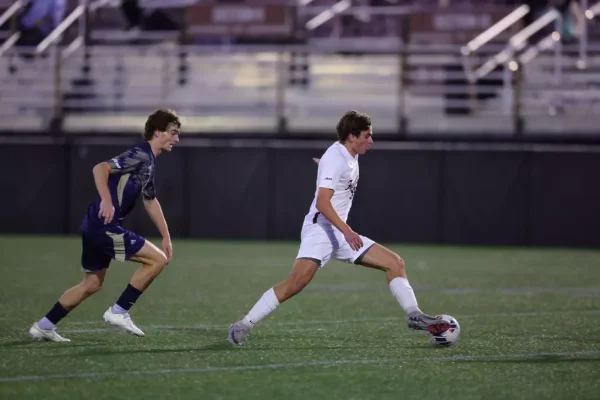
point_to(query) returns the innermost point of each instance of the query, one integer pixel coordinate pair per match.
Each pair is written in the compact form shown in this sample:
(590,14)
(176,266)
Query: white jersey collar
(345,152)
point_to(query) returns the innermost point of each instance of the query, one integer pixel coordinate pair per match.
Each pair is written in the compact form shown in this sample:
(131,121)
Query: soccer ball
(449,337)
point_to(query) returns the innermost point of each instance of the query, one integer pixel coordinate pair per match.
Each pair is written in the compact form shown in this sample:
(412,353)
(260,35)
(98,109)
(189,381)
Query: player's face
(168,138)
(362,143)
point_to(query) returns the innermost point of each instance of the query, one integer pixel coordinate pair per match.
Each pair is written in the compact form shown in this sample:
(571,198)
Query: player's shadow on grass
(112,352)
(207,348)
(33,343)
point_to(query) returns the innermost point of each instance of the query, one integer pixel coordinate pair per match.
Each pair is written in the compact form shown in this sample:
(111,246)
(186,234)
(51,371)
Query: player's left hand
(168,249)
(353,240)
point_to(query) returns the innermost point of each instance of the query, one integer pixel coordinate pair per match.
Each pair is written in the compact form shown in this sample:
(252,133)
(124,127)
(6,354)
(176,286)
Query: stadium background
(507,158)
(485,139)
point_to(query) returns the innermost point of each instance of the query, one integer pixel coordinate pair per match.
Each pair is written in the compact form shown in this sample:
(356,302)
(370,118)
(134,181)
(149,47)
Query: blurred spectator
(39,18)
(572,18)
(43,15)
(570,10)
(132,12)
(139,17)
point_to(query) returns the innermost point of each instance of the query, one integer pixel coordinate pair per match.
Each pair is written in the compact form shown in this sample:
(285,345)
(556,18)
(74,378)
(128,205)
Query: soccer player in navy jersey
(120,181)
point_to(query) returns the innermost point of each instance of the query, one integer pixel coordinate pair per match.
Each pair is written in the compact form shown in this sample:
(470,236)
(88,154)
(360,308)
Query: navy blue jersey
(132,173)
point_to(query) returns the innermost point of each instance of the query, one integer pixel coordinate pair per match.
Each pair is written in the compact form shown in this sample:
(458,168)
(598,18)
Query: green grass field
(529,320)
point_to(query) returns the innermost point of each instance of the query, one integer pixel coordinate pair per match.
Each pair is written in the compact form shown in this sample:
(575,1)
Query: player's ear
(316,160)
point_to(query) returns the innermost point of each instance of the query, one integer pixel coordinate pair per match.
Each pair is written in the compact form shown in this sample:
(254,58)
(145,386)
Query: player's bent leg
(45,329)
(382,258)
(153,261)
(302,273)
(91,283)
(386,260)
(316,248)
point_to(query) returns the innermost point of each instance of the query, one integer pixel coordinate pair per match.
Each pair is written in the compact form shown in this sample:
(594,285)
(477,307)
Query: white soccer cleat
(122,321)
(49,335)
(238,333)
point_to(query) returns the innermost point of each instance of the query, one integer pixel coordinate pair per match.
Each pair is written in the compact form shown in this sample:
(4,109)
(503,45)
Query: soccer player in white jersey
(325,235)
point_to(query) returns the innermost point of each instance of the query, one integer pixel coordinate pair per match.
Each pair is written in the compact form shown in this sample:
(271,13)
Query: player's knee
(159,260)
(91,286)
(397,265)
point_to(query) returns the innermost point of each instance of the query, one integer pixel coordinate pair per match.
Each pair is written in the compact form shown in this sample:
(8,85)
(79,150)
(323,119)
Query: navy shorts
(102,246)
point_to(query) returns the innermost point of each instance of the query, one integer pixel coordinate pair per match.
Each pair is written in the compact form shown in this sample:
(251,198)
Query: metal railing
(77,15)
(469,50)
(512,59)
(53,42)
(56,35)
(328,14)
(54,39)
(10,15)
(593,11)
(313,17)
(515,54)
(247,88)
(407,88)
(515,44)
(590,13)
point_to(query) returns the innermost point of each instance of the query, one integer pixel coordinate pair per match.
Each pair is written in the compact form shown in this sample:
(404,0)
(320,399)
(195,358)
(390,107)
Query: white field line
(331,363)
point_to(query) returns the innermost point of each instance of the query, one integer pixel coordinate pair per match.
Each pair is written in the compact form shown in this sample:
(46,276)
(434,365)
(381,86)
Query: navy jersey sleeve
(130,161)
(148,191)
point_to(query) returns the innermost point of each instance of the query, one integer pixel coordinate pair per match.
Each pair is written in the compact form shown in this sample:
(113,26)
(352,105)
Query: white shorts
(321,242)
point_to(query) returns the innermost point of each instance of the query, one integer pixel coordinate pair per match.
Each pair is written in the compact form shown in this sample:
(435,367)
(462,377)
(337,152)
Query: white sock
(405,295)
(263,307)
(117,309)
(45,323)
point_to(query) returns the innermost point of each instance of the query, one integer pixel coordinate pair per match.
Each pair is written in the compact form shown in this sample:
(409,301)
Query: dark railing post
(57,114)
(14,28)
(403,73)
(182,41)
(517,110)
(280,90)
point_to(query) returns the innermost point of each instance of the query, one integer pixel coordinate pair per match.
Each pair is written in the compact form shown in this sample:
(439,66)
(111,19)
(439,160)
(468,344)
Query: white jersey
(338,170)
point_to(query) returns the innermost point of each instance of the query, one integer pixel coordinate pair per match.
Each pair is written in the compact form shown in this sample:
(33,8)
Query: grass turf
(528,319)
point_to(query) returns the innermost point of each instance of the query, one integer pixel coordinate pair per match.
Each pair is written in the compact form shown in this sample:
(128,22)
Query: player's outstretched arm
(101,172)
(325,207)
(155,212)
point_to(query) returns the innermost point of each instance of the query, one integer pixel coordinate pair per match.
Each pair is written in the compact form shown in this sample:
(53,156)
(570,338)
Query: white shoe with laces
(48,335)
(122,321)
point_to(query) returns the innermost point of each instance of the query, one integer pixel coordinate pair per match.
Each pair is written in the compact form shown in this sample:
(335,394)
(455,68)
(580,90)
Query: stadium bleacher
(399,60)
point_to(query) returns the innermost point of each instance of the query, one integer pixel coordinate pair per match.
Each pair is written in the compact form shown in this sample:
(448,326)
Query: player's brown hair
(352,123)
(160,120)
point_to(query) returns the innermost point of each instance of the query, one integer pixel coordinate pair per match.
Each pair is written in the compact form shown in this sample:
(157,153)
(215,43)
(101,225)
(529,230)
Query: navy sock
(57,313)
(128,297)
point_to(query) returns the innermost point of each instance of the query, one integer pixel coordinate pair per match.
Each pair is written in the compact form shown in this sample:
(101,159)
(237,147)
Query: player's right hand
(353,240)
(107,211)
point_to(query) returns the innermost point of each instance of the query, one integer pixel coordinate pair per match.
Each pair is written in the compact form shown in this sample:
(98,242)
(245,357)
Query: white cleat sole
(114,320)
(42,335)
